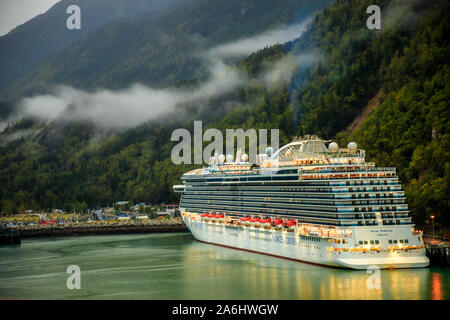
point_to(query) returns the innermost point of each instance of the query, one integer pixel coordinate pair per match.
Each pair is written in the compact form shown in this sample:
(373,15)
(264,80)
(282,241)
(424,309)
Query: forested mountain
(386,89)
(28,44)
(160,48)
(401,72)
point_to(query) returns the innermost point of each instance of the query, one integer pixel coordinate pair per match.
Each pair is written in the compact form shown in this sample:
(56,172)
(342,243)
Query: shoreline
(98,229)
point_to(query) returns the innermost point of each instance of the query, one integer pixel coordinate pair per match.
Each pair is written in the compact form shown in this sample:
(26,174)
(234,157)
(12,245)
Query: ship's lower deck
(289,243)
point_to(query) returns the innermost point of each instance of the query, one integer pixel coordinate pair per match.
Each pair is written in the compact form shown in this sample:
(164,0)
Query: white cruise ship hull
(315,250)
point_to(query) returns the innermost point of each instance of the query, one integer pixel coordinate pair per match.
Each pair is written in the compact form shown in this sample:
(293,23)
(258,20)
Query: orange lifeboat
(289,223)
(277,222)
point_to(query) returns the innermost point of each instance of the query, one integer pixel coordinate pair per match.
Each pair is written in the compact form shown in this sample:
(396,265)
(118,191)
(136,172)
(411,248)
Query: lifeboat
(220,216)
(204,215)
(289,223)
(245,219)
(277,222)
(211,215)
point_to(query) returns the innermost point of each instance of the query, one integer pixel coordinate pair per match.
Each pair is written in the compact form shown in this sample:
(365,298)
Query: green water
(175,266)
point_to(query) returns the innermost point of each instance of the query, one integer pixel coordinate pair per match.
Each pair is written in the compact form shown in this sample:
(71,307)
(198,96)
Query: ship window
(401,240)
(365,242)
(390,241)
(395,241)
(360,242)
(372,242)
(406,240)
(377,242)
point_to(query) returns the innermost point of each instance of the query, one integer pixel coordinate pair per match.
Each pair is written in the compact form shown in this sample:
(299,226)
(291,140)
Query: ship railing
(389,169)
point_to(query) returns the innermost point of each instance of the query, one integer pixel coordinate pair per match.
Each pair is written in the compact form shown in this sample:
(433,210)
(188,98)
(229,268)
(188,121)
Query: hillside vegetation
(404,65)
(159,48)
(28,44)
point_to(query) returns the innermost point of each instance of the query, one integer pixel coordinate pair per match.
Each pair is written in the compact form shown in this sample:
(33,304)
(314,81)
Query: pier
(438,252)
(9,236)
(439,256)
(13,234)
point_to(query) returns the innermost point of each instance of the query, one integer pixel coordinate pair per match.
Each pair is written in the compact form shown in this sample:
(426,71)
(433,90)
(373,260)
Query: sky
(17,12)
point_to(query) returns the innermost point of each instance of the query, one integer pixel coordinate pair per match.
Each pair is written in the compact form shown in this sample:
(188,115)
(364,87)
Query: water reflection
(174,266)
(232,274)
(436,286)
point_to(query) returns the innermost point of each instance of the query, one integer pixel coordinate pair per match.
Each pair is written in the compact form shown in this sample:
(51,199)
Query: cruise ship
(309,201)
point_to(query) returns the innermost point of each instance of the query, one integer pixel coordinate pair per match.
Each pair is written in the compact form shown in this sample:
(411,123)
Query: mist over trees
(405,65)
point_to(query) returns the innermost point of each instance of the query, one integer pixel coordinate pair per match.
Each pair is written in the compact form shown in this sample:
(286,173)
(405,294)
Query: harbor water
(175,266)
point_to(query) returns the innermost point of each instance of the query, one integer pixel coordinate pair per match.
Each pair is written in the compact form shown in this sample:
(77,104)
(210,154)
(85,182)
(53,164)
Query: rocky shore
(97,228)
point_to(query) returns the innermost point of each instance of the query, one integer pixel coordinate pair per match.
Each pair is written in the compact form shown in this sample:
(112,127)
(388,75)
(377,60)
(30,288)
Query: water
(175,266)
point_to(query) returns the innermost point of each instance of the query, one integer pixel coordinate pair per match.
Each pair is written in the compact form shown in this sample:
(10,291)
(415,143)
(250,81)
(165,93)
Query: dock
(438,252)
(9,236)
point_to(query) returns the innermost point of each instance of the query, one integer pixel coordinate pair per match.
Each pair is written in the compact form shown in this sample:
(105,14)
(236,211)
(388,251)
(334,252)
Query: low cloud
(283,69)
(138,103)
(247,46)
(18,134)
(128,107)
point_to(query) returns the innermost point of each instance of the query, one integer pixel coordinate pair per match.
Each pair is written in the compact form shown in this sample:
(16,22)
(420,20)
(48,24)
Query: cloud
(18,134)
(134,105)
(283,69)
(128,107)
(247,46)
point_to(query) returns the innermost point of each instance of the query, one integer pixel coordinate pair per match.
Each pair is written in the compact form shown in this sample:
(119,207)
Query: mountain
(158,49)
(30,43)
(389,91)
(386,89)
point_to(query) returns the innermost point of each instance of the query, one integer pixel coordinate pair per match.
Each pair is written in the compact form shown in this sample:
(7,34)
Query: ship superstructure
(310,201)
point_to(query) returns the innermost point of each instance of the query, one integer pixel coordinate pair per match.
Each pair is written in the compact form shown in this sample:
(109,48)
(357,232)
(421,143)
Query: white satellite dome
(244,157)
(229,158)
(352,146)
(269,151)
(221,158)
(333,147)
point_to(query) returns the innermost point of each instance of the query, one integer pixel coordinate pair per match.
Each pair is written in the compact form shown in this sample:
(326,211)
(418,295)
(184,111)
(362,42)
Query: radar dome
(269,151)
(352,146)
(244,157)
(333,147)
(229,158)
(221,158)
